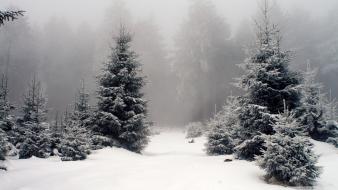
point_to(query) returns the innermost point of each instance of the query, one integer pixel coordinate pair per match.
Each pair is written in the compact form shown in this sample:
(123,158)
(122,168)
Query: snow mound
(168,163)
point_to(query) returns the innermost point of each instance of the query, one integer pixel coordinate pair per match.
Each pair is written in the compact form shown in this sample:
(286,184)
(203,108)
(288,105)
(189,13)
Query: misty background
(189,48)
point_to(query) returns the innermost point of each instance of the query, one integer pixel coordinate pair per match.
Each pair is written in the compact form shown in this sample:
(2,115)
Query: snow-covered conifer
(312,109)
(288,157)
(76,139)
(122,112)
(219,138)
(33,126)
(81,105)
(219,141)
(267,78)
(9,16)
(194,129)
(3,151)
(250,148)
(268,84)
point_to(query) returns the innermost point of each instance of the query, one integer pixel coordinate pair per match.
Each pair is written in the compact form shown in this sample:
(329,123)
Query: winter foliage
(269,87)
(122,113)
(271,122)
(32,126)
(222,128)
(195,129)
(9,16)
(312,109)
(219,141)
(288,157)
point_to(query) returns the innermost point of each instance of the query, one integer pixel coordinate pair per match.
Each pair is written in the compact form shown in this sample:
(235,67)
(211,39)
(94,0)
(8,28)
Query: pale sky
(167,13)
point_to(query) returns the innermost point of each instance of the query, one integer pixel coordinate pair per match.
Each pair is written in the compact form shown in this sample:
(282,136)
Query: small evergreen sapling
(288,157)
(219,138)
(194,130)
(219,142)
(75,142)
(33,126)
(312,110)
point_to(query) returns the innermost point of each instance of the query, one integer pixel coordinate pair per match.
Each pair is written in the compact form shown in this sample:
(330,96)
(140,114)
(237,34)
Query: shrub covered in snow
(3,150)
(194,129)
(288,157)
(219,141)
(73,149)
(250,148)
(333,141)
(36,142)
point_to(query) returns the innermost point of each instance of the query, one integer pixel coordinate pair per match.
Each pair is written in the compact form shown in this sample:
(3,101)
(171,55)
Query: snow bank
(168,163)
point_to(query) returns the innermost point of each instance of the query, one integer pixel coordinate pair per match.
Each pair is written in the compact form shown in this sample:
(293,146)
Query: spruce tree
(220,137)
(267,82)
(33,124)
(312,109)
(81,105)
(7,124)
(267,79)
(76,140)
(6,120)
(288,156)
(9,16)
(122,112)
(219,141)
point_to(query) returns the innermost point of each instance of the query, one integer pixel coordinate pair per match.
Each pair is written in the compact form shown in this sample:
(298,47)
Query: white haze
(167,13)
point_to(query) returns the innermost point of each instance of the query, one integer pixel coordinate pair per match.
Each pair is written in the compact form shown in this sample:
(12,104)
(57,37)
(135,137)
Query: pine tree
(9,16)
(75,142)
(33,123)
(219,141)
(312,109)
(267,79)
(220,137)
(6,120)
(268,83)
(288,156)
(3,150)
(81,105)
(55,135)
(121,114)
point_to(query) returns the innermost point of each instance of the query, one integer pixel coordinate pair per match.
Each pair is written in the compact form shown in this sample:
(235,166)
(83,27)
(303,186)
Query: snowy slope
(169,163)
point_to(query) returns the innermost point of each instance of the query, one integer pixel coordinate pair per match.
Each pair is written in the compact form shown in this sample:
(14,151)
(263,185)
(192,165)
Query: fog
(65,41)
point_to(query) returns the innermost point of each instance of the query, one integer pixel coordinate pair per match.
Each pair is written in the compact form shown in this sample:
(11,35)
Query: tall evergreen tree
(6,122)
(267,79)
(122,113)
(268,84)
(33,124)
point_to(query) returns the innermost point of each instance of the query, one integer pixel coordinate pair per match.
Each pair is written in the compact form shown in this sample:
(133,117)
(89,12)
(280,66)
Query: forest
(141,98)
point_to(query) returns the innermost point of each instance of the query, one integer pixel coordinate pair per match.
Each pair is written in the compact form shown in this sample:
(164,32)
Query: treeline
(196,69)
(119,119)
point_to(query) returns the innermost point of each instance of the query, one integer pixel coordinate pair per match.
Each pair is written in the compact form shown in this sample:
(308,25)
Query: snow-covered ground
(169,162)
